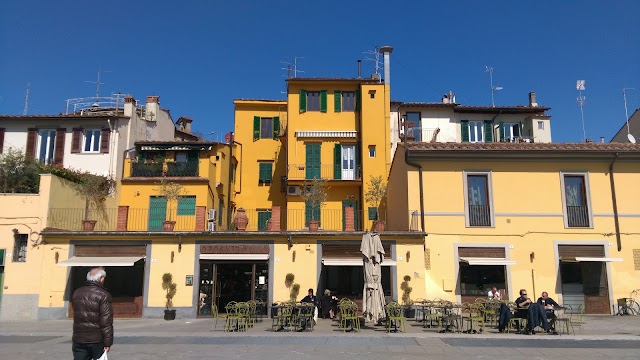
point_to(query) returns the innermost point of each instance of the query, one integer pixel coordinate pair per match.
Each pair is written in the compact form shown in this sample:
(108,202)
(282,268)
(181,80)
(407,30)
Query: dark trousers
(87,351)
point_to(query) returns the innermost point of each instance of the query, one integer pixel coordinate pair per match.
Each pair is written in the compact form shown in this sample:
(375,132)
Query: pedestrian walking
(92,318)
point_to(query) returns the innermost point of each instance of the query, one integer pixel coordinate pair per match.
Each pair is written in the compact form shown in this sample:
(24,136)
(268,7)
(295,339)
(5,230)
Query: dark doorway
(584,284)
(348,281)
(477,280)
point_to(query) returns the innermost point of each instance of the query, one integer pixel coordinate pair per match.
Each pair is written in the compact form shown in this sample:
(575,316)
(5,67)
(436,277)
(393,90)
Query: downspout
(230,180)
(493,123)
(615,202)
(419,167)
(124,153)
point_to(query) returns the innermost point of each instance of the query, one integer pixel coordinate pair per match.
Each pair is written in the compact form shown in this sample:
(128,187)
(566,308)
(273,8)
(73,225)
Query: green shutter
(337,100)
(313,161)
(263,217)
(311,213)
(337,162)
(303,100)
(140,156)
(501,125)
(358,100)
(464,130)
(265,172)
(276,127)
(187,205)
(323,100)
(488,131)
(373,213)
(157,212)
(256,128)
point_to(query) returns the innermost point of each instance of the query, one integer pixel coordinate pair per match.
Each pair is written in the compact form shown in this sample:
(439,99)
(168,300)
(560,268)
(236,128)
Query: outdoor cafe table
(291,321)
(447,316)
(550,321)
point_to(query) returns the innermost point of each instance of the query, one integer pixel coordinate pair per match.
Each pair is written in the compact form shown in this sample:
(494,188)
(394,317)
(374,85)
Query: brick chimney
(153,108)
(532,99)
(129,105)
(184,124)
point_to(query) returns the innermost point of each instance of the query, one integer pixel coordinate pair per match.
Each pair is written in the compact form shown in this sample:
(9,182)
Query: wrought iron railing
(578,216)
(142,169)
(188,168)
(327,172)
(479,215)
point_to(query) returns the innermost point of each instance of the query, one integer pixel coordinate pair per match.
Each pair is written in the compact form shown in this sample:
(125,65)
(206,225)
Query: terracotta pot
(314,225)
(241,220)
(168,225)
(88,225)
(378,225)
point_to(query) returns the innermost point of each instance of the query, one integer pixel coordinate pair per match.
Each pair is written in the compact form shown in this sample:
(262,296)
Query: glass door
(205,298)
(348,162)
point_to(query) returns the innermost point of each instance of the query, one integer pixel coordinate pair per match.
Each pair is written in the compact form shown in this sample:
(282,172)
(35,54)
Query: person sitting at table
(548,304)
(494,294)
(531,311)
(310,299)
(326,305)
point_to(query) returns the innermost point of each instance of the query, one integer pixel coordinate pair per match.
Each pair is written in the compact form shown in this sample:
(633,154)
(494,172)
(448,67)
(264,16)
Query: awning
(589,259)
(487,261)
(234,256)
(100,261)
(352,262)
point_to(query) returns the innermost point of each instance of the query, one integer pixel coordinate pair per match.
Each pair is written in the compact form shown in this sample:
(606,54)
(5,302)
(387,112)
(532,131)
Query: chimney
(359,65)
(602,139)
(184,124)
(386,51)
(532,99)
(129,106)
(153,107)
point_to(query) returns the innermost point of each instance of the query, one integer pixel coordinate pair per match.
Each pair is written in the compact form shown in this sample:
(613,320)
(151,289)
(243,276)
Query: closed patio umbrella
(373,295)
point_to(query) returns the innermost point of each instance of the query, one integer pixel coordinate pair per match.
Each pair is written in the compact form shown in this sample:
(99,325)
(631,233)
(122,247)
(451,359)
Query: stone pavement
(616,337)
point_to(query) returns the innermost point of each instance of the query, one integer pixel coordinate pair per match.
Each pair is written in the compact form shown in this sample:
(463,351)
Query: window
(511,130)
(311,212)
(91,141)
(266,128)
(348,101)
(576,202)
(540,125)
(313,100)
(46,146)
(477,280)
(187,205)
(312,161)
(20,247)
(478,199)
(372,151)
(265,172)
(181,157)
(263,217)
(475,131)
(345,167)
(413,126)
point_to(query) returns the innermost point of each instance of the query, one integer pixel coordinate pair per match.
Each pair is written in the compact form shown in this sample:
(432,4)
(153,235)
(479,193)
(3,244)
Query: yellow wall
(183,264)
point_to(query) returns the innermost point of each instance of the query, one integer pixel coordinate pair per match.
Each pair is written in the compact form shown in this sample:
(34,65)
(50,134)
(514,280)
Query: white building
(91,136)
(447,121)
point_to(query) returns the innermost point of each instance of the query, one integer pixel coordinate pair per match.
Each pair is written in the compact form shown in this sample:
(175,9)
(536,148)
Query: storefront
(583,277)
(480,269)
(232,273)
(125,267)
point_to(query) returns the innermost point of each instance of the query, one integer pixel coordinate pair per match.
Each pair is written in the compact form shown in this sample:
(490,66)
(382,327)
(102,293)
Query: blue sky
(200,55)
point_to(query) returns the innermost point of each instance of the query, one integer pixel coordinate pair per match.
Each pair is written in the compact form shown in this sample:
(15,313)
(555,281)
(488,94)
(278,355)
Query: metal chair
(476,316)
(563,319)
(283,317)
(521,323)
(395,316)
(304,318)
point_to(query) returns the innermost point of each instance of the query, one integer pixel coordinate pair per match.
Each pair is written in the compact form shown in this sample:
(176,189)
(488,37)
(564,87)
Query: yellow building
(561,218)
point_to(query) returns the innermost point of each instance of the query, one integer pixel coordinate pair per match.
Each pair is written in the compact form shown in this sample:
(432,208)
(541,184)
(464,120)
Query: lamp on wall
(408,255)
(293,256)
(172,256)
(179,243)
(290,241)
(532,256)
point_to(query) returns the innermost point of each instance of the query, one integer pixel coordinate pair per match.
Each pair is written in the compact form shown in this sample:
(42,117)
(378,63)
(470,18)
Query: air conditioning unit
(212,214)
(294,190)
(211,226)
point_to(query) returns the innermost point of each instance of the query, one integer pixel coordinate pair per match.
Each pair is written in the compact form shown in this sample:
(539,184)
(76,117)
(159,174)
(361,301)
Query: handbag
(103,356)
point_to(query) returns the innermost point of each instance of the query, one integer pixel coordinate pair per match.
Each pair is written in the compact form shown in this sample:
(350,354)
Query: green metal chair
(350,315)
(283,316)
(395,316)
(231,320)
(304,318)
(520,323)
(476,316)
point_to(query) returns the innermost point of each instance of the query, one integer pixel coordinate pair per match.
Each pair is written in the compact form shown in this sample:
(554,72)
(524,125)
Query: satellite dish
(631,138)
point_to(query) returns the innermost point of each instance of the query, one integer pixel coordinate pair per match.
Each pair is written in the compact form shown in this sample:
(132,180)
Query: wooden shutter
(256,128)
(488,131)
(276,127)
(358,100)
(76,140)
(572,251)
(32,140)
(337,100)
(337,162)
(482,252)
(263,217)
(373,213)
(1,139)
(303,100)
(464,130)
(58,151)
(313,161)
(501,125)
(105,136)
(187,205)
(323,100)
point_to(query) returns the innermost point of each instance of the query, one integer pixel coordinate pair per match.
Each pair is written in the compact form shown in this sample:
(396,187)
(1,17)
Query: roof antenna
(98,83)
(581,101)
(376,59)
(26,101)
(295,67)
(631,138)
(489,69)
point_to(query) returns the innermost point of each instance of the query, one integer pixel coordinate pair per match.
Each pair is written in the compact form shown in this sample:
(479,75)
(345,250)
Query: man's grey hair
(96,274)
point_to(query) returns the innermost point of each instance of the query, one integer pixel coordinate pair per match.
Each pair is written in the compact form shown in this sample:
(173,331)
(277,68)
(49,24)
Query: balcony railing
(420,134)
(479,215)
(327,172)
(188,168)
(578,216)
(157,169)
(133,219)
(141,169)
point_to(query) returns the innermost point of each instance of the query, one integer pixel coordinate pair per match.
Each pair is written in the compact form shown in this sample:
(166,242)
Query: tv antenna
(26,101)
(295,67)
(374,55)
(581,101)
(98,83)
(489,69)
(626,113)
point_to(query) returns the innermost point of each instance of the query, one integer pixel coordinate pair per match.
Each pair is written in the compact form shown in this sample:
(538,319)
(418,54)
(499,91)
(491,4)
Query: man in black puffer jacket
(92,317)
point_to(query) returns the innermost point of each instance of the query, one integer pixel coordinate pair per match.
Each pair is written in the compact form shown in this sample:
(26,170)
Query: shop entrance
(583,275)
(480,270)
(222,282)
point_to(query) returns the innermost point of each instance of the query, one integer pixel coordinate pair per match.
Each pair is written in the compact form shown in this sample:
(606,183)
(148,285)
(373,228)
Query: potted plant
(94,189)
(240,220)
(375,194)
(170,287)
(294,289)
(409,311)
(172,192)
(315,196)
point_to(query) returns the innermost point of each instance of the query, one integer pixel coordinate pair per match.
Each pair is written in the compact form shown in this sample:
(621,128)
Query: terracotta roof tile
(524,147)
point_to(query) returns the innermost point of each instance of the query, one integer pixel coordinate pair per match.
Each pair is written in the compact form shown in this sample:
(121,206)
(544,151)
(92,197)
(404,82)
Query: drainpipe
(232,141)
(615,202)
(419,167)
(124,153)
(493,131)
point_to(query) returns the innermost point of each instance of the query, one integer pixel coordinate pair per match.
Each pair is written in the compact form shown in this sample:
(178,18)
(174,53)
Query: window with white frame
(475,131)
(575,196)
(91,141)
(46,146)
(511,130)
(540,125)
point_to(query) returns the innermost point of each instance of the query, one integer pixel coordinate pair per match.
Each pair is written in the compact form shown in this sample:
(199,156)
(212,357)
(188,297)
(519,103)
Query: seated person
(326,305)
(494,294)
(311,299)
(531,311)
(548,304)
(522,303)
